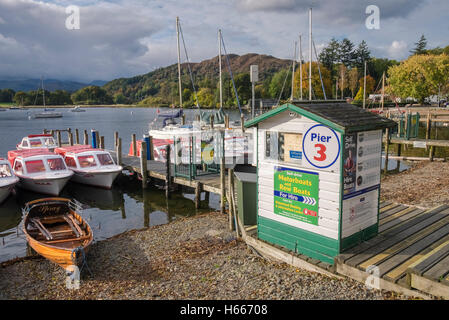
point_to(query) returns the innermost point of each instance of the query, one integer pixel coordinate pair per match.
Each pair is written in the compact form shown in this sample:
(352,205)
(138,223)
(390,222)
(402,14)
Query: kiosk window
(283,146)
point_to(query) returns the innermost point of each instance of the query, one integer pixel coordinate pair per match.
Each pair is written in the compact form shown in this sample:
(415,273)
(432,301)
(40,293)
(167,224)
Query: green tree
(206,97)
(346,52)
(361,54)
(7,95)
(119,98)
(330,56)
(91,95)
(280,80)
(22,98)
(59,97)
(420,46)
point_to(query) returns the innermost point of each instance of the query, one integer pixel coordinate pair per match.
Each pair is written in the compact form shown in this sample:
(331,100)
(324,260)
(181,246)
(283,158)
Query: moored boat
(47,114)
(56,231)
(40,170)
(77,109)
(91,166)
(37,141)
(7,179)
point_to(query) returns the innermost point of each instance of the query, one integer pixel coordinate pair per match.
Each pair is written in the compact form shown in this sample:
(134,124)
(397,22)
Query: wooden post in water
(144,165)
(119,151)
(85,138)
(183,119)
(102,142)
(242,121)
(58,138)
(387,143)
(134,144)
(226,121)
(167,174)
(98,139)
(77,136)
(150,138)
(115,139)
(198,187)
(70,139)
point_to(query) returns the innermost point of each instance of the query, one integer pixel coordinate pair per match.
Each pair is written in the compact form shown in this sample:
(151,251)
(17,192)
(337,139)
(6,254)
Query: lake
(109,212)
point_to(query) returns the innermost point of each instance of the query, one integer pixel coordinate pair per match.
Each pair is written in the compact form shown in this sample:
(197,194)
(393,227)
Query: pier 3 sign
(321,146)
(296,194)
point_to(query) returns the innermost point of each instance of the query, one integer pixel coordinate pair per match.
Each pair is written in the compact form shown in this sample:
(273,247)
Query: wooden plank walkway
(411,250)
(156,169)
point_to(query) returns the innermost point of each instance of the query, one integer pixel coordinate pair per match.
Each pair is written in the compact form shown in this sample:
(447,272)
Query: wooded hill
(160,87)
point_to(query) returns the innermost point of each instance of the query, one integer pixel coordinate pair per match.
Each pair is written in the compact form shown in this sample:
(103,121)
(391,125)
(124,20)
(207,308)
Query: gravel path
(192,258)
(425,185)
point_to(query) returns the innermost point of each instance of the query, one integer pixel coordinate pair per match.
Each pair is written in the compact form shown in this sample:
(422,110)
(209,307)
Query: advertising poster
(296,194)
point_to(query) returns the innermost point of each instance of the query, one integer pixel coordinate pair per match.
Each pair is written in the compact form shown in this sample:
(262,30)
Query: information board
(296,194)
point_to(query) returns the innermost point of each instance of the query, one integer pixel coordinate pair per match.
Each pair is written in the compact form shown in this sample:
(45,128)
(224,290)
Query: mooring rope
(84,260)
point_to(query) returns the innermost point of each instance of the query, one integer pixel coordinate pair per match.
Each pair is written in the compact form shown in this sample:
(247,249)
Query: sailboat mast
(364,86)
(310,54)
(293,72)
(179,63)
(300,67)
(383,90)
(43,91)
(219,63)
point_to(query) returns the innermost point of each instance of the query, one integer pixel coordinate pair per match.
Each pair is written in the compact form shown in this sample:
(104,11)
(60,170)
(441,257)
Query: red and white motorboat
(7,179)
(37,141)
(91,166)
(40,170)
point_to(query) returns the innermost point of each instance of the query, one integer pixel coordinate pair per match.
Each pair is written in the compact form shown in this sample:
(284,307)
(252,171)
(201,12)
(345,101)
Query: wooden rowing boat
(56,231)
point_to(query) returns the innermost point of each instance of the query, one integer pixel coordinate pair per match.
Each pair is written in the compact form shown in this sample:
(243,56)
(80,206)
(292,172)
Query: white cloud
(398,49)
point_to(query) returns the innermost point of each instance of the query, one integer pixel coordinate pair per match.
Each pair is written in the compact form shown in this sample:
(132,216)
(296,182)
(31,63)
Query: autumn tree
(317,90)
(353,80)
(369,88)
(420,76)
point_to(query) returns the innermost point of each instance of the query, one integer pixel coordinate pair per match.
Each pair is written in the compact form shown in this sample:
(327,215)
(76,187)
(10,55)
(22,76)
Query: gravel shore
(191,258)
(425,185)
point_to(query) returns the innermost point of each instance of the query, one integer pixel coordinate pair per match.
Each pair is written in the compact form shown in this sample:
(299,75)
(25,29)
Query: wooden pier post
(98,139)
(150,139)
(183,119)
(387,143)
(85,138)
(102,142)
(134,144)
(198,187)
(119,151)
(226,121)
(58,138)
(115,139)
(70,139)
(242,121)
(167,174)
(77,136)
(212,121)
(428,125)
(144,165)
(229,189)
(432,153)
(222,183)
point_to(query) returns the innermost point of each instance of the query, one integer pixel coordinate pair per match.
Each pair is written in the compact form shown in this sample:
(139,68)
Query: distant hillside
(162,83)
(49,84)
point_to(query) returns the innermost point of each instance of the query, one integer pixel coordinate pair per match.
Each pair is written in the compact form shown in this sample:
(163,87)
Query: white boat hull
(96,179)
(6,188)
(50,186)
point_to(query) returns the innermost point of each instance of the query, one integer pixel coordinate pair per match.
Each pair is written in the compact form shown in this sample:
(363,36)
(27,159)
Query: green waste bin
(247,197)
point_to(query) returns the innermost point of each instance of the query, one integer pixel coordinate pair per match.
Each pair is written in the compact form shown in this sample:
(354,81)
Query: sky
(124,38)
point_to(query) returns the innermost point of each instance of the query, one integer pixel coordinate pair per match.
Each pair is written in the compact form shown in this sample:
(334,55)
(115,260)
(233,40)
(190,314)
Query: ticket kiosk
(318,177)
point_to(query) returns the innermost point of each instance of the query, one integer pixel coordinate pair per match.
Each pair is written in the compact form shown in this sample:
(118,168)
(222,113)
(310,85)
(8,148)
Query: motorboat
(77,109)
(7,179)
(37,141)
(40,170)
(56,231)
(91,166)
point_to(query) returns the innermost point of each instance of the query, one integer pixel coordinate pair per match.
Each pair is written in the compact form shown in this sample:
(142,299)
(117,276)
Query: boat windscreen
(49,141)
(5,171)
(56,164)
(35,143)
(34,166)
(87,161)
(105,159)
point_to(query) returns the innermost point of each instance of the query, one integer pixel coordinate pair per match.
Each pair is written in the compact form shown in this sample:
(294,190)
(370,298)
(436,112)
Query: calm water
(108,212)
